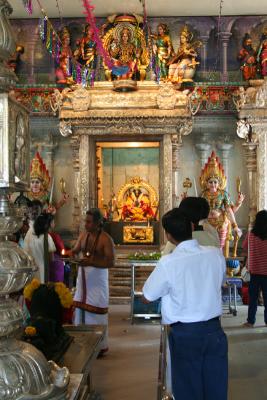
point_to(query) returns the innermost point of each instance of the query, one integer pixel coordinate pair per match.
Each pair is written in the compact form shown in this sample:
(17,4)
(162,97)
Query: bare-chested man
(92,290)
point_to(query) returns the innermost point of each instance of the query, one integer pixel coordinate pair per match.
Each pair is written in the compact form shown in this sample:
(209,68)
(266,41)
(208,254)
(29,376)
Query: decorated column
(204,151)
(252,126)
(225,36)
(250,150)
(176,166)
(225,151)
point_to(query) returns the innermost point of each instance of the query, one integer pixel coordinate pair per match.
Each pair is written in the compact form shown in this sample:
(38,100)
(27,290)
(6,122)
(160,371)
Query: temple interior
(129,108)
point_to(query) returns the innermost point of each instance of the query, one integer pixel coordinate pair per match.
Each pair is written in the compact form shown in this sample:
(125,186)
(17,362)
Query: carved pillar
(176,166)
(204,151)
(262,167)
(165,179)
(250,150)
(225,36)
(225,150)
(84,173)
(204,39)
(76,215)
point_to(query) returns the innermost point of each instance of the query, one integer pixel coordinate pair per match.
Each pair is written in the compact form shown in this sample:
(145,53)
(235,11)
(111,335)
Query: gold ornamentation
(150,198)
(39,171)
(213,169)
(138,234)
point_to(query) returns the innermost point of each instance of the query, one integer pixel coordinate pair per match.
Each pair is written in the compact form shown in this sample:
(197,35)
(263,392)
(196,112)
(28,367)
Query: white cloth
(97,288)
(34,245)
(189,283)
(97,295)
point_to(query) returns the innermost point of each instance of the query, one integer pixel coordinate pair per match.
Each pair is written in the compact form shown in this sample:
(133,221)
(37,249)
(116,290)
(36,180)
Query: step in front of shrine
(120,280)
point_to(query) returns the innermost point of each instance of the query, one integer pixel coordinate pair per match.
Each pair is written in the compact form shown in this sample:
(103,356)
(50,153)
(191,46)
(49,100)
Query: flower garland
(62,291)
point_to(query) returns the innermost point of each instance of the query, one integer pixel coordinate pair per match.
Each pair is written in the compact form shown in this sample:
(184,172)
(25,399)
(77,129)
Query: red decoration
(90,18)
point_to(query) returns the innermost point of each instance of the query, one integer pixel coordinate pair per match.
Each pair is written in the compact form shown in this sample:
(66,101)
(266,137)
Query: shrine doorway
(128,190)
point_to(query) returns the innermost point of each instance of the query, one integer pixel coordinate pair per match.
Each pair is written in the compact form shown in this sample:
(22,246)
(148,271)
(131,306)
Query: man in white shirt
(189,281)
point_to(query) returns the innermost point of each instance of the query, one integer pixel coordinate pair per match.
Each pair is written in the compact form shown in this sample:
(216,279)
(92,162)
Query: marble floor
(129,371)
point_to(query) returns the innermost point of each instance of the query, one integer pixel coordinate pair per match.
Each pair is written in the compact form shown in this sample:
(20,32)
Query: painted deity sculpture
(63,73)
(40,181)
(124,41)
(247,58)
(262,54)
(162,49)
(182,66)
(86,52)
(125,54)
(137,206)
(222,209)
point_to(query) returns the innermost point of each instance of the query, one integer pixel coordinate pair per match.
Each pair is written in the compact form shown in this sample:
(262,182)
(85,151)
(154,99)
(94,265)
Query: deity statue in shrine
(86,52)
(137,201)
(182,66)
(124,41)
(39,185)
(247,57)
(262,54)
(222,209)
(63,73)
(125,54)
(162,49)
(137,206)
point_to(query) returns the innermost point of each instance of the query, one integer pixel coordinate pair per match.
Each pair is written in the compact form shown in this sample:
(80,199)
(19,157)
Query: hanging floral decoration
(90,18)
(50,38)
(28,6)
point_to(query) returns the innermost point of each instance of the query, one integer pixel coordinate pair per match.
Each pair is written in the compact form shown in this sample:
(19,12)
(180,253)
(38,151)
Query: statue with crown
(182,66)
(222,209)
(40,183)
(124,41)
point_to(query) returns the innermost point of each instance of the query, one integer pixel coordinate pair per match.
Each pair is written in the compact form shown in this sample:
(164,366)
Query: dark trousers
(256,283)
(199,361)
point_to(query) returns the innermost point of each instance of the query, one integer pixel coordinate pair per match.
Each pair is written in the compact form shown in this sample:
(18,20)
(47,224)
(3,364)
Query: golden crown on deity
(39,171)
(213,169)
(186,32)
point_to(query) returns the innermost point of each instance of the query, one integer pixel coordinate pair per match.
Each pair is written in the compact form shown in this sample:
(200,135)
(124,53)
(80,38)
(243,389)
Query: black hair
(97,215)
(35,203)
(195,208)
(177,224)
(42,223)
(22,200)
(260,225)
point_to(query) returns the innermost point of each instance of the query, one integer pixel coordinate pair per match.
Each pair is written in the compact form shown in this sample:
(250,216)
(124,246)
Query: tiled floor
(129,371)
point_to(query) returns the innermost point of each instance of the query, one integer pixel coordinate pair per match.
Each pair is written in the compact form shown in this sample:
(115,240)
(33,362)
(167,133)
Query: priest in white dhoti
(91,298)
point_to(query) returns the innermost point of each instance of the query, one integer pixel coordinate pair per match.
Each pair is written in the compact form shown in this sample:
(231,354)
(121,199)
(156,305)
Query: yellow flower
(30,331)
(30,288)
(64,295)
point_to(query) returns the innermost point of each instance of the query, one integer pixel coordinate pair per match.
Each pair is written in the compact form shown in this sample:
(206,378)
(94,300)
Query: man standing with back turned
(189,283)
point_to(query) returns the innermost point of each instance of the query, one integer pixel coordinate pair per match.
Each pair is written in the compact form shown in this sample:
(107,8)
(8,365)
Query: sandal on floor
(248,325)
